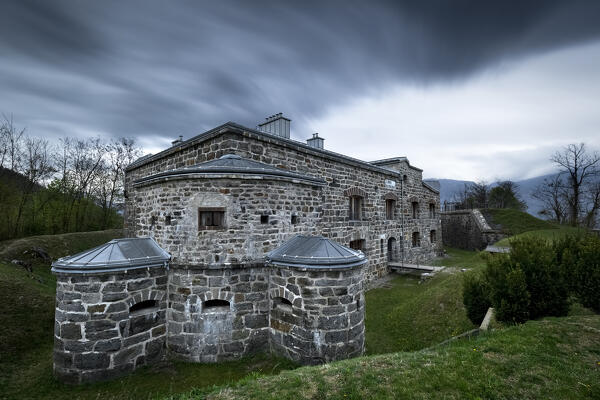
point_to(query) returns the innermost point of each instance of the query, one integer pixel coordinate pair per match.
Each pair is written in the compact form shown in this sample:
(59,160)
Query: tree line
(69,186)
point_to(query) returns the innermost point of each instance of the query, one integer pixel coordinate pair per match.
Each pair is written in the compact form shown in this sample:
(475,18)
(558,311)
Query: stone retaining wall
(468,229)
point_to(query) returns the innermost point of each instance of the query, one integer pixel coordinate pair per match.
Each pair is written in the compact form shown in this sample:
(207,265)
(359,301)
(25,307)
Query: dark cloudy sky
(464,89)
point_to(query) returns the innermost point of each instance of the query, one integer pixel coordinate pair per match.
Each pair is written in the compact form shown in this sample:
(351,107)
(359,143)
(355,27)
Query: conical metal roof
(116,255)
(315,252)
(232,164)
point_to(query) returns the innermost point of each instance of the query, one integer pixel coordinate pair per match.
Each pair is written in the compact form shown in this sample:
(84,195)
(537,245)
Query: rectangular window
(264,219)
(415,209)
(211,218)
(390,206)
(432,236)
(355,208)
(294,219)
(416,240)
(432,210)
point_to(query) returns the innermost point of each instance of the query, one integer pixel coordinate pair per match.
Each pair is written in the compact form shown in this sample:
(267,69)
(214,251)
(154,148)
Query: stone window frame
(433,236)
(222,224)
(356,203)
(416,239)
(391,201)
(362,242)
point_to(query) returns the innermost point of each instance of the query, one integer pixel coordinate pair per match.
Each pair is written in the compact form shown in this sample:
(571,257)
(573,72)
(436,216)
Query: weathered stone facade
(321,209)
(96,337)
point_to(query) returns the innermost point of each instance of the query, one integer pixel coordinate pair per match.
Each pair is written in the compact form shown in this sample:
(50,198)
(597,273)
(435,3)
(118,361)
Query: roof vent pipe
(177,141)
(315,141)
(276,124)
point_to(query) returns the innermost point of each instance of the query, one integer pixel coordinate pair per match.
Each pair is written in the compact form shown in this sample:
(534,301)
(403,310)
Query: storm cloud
(157,69)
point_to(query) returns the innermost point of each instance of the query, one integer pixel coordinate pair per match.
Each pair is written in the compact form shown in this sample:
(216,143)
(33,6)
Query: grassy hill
(556,358)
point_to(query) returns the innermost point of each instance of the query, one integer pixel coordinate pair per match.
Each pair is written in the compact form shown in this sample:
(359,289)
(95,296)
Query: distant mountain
(449,187)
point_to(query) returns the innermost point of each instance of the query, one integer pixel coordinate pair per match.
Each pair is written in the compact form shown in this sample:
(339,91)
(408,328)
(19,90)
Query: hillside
(514,222)
(556,358)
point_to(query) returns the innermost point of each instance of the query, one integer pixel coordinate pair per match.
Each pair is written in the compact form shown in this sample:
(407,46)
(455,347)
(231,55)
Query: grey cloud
(165,68)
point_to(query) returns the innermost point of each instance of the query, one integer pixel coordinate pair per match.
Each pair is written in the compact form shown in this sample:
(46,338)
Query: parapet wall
(467,229)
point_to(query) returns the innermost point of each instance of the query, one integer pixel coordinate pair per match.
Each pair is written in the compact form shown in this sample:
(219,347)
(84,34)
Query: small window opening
(152,220)
(405,179)
(211,218)
(358,245)
(294,219)
(356,208)
(144,307)
(168,220)
(281,303)
(432,236)
(358,304)
(415,209)
(264,219)
(381,246)
(416,240)
(216,305)
(431,210)
(390,206)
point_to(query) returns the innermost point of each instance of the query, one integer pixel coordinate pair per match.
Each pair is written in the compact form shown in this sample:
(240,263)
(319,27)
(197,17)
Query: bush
(475,297)
(580,259)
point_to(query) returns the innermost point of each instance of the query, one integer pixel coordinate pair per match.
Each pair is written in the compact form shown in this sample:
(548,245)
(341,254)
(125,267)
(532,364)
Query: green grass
(412,315)
(547,234)
(514,222)
(556,358)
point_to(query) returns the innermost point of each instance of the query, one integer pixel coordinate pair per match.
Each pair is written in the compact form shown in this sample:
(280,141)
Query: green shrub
(475,297)
(582,262)
(548,289)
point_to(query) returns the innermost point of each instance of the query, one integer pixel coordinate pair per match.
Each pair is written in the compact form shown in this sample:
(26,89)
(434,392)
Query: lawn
(554,358)
(548,234)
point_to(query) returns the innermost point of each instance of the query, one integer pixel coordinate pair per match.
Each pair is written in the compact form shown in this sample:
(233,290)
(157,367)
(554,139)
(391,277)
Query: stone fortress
(241,241)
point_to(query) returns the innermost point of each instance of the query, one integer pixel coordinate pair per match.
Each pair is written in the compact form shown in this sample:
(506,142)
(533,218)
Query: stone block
(254,321)
(113,287)
(70,331)
(77,346)
(110,297)
(96,308)
(108,334)
(126,355)
(93,360)
(139,338)
(138,285)
(116,307)
(333,323)
(108,345)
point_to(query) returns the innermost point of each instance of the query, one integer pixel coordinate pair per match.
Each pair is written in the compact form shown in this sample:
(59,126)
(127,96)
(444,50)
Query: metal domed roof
(116,255)
(315,252)
(232,164)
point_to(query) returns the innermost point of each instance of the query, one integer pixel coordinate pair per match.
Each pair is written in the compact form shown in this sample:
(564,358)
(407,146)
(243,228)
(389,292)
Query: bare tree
(11,142)
(580,170)
(550,193)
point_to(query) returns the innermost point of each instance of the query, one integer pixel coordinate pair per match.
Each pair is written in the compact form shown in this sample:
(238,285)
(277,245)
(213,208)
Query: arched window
(216,305)
(143,307)
(283,304)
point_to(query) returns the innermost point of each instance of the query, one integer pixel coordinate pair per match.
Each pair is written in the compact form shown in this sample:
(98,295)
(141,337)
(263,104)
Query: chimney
(276,125)
(176,142)
(315,141)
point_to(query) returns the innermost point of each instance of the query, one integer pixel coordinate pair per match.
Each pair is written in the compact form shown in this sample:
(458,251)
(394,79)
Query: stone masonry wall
(325,321)
(95,336)
(467,229)
(330,204)
(203,334)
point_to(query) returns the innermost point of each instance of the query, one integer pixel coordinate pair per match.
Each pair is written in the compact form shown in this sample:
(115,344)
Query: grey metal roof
(315,252)
(232,164)
(116,255)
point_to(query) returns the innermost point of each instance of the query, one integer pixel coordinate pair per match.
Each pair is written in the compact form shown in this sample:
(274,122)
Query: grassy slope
(548,234)
(27,323)
(514,222)
(551,358)
(412,314)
